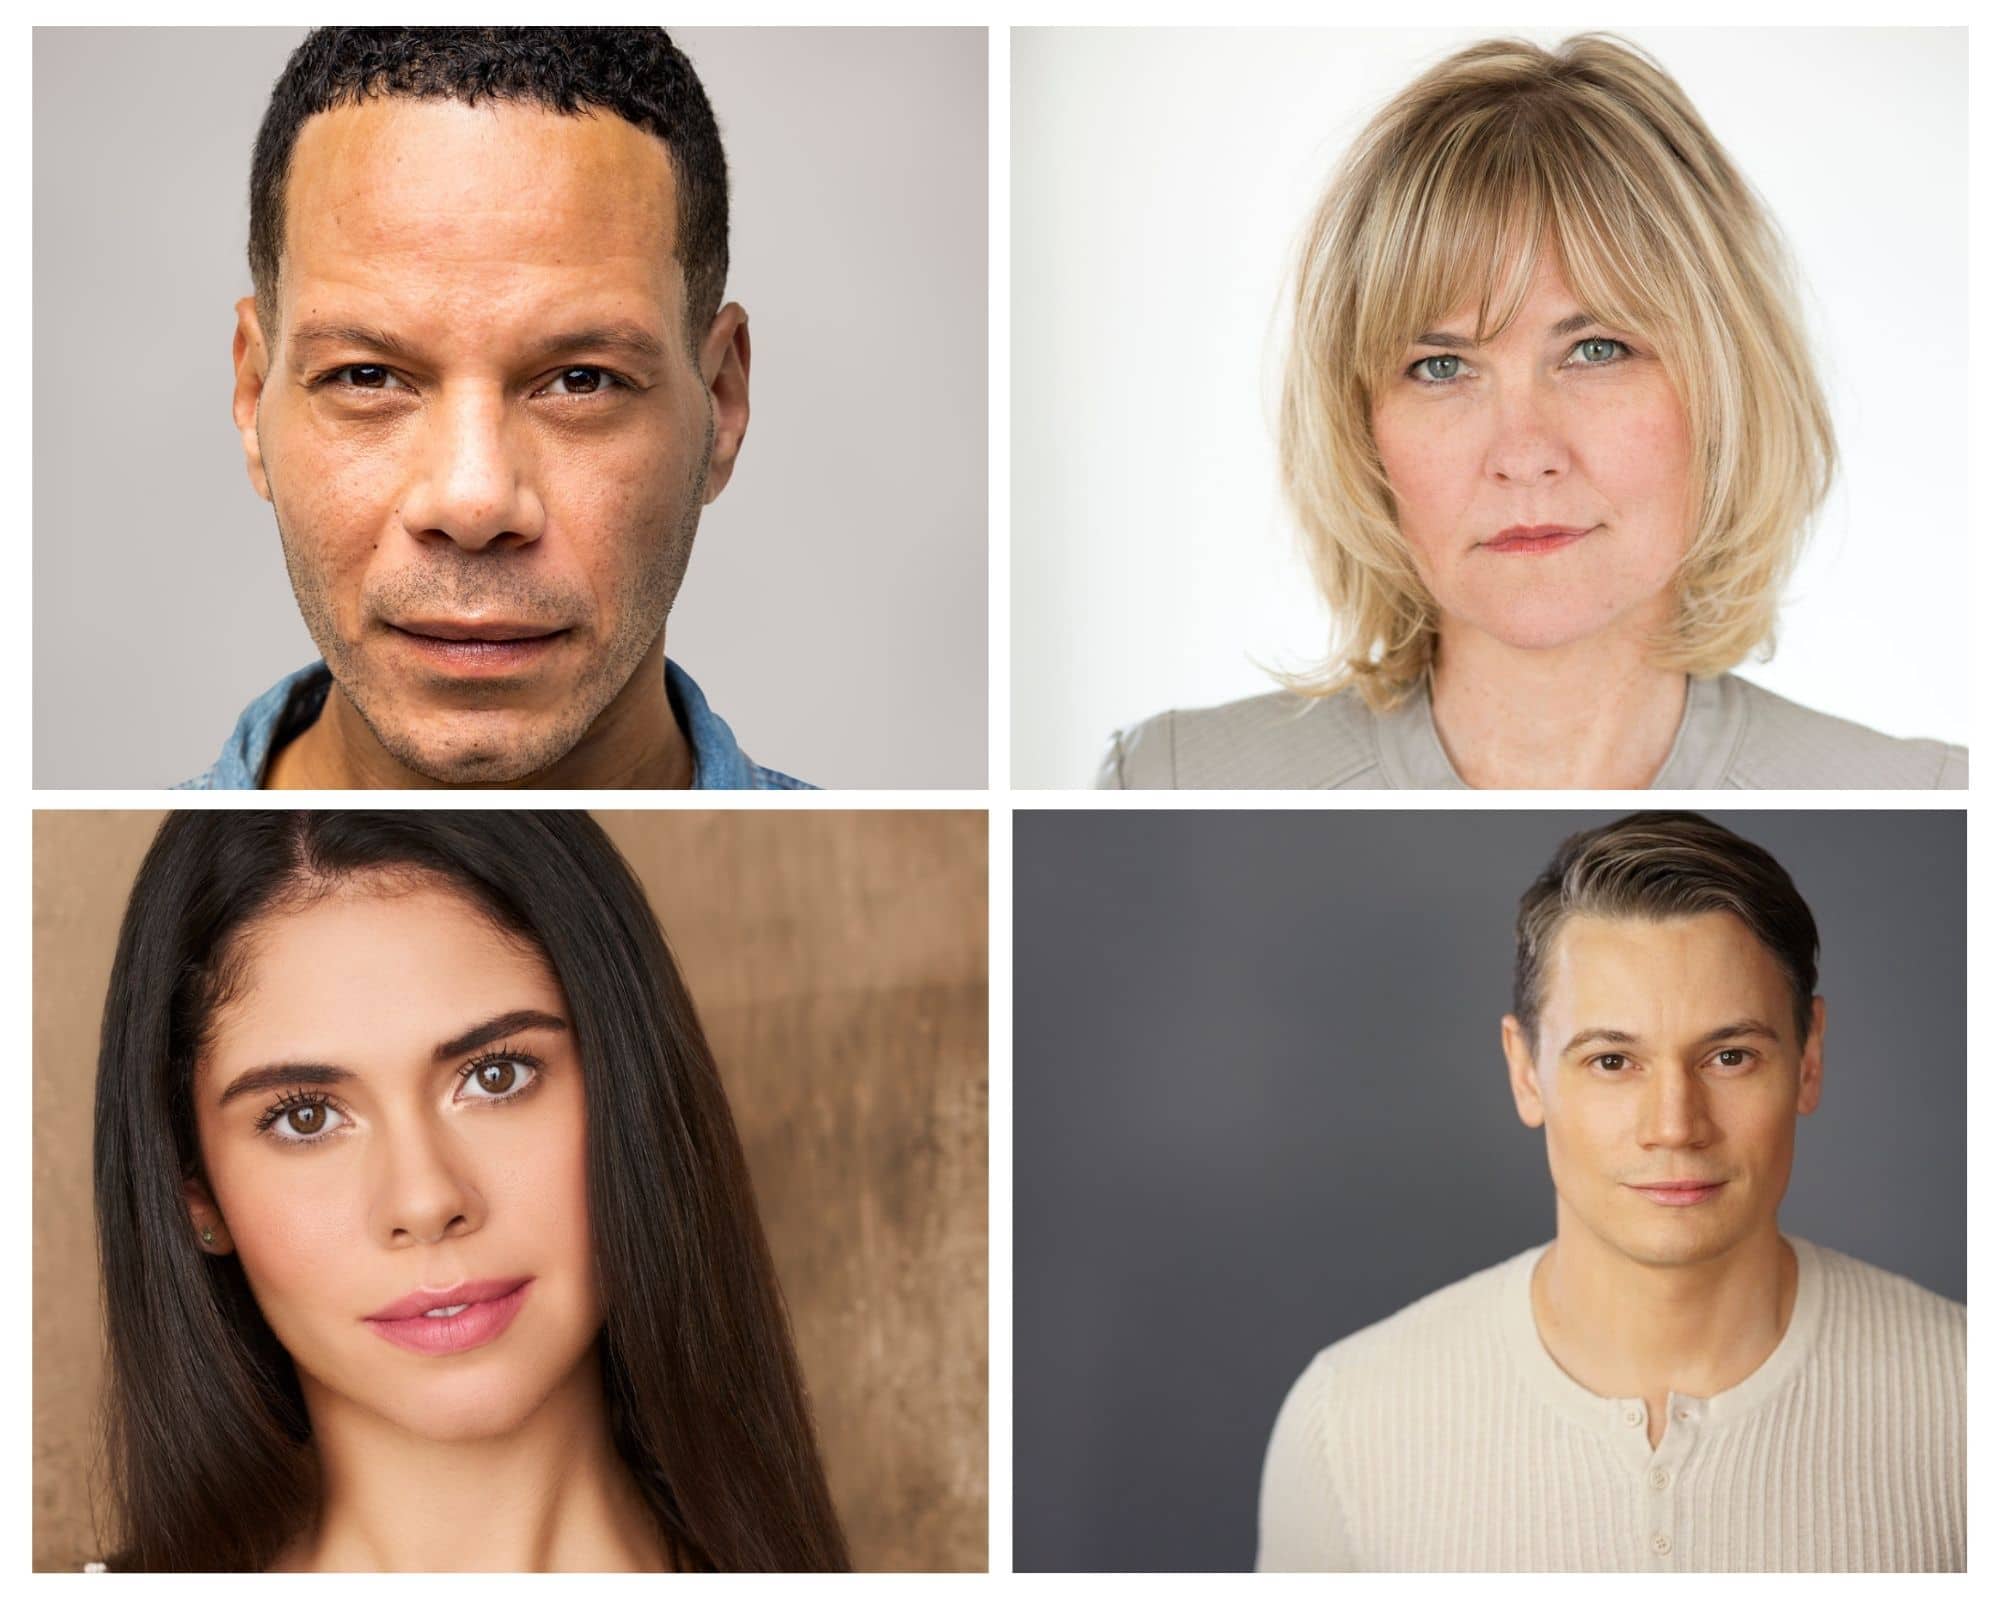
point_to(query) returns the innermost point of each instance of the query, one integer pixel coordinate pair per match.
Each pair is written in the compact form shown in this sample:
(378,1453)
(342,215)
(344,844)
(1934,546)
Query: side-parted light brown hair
(1591,154)
(1659,865)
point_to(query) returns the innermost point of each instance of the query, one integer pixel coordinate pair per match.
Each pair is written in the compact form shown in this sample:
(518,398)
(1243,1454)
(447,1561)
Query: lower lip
(1538,545)
(480,658)
(444,1336)
(1680,1197)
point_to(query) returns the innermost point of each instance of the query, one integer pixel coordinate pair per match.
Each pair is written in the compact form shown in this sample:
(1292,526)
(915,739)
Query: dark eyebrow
(282,1076)
(1748,1028)
(497,1028)
(1600,1036)
(318,1075)
(623,338)
(1454,341)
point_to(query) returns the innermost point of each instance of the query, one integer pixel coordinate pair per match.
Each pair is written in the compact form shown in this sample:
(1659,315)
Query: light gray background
(835,610)
(1259,1103)
(1161,179)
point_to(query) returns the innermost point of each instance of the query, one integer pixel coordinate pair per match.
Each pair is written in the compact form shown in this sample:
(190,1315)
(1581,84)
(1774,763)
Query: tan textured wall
(839,963)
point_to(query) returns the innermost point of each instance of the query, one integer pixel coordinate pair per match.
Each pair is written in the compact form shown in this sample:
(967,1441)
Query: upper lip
(446,628)
(1539,530)
(1680,1183)
(464,1294)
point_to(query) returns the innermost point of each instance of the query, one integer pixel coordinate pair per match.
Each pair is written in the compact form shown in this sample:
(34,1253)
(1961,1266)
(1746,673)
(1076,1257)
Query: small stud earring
(208,1236)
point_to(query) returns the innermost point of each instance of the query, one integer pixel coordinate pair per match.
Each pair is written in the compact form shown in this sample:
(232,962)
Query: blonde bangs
(1501,155)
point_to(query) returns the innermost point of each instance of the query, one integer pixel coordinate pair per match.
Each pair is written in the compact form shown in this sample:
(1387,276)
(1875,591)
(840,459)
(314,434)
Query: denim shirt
(289,706)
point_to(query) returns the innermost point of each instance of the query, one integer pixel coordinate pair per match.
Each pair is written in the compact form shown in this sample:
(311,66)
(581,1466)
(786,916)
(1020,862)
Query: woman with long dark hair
(426,1237)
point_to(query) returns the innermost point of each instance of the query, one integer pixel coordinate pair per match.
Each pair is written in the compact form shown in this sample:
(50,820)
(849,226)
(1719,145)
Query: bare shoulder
(1269,741)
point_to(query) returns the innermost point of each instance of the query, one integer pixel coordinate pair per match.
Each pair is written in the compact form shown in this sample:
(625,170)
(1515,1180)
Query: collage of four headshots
(939,1149)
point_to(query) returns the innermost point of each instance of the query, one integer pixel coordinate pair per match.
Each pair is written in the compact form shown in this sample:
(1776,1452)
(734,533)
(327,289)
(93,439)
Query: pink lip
(489,1308)
(478,650)
(1537,540)
(1677,1194)
(457,1294)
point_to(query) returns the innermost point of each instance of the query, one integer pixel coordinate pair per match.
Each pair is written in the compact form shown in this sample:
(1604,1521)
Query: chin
(478,747)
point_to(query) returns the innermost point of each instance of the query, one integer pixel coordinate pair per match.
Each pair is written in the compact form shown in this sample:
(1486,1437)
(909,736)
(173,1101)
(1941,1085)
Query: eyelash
(292,1099)
(330,380)
(1414,369)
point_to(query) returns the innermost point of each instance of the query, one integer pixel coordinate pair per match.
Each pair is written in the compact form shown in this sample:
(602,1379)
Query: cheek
(1432,471)
(297,1235)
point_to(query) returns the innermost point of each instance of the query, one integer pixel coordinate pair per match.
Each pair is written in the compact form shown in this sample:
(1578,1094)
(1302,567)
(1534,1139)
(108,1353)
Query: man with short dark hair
(488,382)
(1673,1384)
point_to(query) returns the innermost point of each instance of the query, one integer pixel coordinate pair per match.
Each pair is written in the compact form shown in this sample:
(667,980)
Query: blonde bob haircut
(1591,155)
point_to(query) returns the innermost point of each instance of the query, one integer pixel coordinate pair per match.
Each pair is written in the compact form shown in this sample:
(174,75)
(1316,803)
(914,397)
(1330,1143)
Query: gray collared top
(288,707)
(1733,735)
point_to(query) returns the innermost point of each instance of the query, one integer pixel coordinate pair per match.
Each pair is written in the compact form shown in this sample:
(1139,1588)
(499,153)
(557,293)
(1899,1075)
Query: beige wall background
(839,963)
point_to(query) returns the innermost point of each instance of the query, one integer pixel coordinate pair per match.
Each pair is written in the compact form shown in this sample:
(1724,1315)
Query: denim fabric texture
(289,706)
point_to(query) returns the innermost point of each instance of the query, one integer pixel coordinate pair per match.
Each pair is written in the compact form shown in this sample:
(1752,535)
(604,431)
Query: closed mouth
(478,632)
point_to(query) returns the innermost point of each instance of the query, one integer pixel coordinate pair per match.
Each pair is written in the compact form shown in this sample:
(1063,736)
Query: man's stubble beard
(647,599)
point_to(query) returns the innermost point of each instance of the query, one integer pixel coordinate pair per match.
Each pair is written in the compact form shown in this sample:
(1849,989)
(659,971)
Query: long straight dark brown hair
(209,1454)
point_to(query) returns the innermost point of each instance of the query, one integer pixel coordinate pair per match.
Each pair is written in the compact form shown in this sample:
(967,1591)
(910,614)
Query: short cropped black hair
(637,73)
(1656,865)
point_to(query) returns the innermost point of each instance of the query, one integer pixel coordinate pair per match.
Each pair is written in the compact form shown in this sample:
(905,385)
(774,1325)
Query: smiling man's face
(485,519)
(1668,1072)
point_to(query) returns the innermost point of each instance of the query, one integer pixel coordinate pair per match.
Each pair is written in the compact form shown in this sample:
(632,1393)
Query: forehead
(454,207)
(1656,978)
(373,975)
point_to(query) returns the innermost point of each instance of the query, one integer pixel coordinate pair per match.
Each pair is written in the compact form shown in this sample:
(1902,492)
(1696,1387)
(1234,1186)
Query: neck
(1596,714)
(1622,1327)
(635,743)
(551,1496)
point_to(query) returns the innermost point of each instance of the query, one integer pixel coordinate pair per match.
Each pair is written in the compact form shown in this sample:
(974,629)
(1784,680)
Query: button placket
(1660,1479)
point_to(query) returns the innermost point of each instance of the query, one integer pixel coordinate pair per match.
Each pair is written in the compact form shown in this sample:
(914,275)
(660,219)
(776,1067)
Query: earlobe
(1521,1075)
(210,1231)
(251,358)
(725,368)
(1812,1060)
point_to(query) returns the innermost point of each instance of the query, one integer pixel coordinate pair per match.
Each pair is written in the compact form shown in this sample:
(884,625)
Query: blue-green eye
(1436,369)
(1599,352)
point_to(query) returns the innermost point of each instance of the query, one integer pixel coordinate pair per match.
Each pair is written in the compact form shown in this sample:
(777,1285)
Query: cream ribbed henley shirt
(1447,1439)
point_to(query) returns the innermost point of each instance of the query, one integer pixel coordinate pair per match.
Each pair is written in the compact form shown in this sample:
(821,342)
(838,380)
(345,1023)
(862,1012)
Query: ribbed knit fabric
(1447,1439)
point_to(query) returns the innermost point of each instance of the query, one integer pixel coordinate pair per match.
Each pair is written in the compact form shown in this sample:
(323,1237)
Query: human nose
(424,1191)
(1528,446)
(1674,1111)
(470,487)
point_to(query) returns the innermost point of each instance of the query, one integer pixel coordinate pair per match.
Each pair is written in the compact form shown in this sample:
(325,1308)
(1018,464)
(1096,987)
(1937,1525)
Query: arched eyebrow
(1457,341)
(321,1075)
(610,338)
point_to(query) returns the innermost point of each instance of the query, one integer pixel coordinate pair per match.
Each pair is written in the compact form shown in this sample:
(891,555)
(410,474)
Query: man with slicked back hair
(1673,1384)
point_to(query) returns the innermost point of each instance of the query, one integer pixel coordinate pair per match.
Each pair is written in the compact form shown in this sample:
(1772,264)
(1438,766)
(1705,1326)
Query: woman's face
(392,1103)
(1540,479)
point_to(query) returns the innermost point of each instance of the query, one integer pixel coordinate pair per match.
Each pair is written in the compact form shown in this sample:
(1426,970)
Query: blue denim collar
(288,707)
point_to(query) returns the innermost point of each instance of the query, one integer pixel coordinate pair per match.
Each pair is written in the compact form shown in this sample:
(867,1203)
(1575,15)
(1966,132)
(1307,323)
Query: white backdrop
(1160,180)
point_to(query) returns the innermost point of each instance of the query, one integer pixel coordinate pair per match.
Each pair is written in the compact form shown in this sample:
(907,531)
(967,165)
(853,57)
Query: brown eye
(589,377)
(368,377)
(497,1077)
(306,1121)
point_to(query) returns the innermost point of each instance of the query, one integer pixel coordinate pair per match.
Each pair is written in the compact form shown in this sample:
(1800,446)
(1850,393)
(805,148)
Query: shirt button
(1634,1416)
(1659,1477)
(1661,1544)
(1684,1414)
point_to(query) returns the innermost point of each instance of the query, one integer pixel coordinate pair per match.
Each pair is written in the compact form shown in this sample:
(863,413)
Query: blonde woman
(1554,440)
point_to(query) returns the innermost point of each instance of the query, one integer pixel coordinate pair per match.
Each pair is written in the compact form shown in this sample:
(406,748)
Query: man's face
(485,520)
(1668,1054)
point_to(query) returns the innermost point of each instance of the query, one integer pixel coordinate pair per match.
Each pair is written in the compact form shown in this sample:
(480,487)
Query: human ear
(1811,1063)
(725,369)
(1521,1075)
(252,360)
(211,1233)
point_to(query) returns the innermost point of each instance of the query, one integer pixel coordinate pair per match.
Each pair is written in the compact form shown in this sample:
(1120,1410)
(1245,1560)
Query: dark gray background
(1259,1103)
